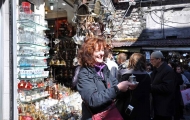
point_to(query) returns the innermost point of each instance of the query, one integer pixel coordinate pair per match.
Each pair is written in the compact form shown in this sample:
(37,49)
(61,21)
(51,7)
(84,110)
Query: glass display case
(38,98)
(32,54)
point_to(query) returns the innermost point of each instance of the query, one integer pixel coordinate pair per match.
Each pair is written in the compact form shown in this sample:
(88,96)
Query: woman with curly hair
(97,87)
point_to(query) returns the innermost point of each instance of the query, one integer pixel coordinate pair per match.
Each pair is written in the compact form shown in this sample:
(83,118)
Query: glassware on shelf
(31,25)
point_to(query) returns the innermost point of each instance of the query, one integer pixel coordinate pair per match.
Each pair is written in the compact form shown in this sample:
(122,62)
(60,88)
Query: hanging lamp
(57,33)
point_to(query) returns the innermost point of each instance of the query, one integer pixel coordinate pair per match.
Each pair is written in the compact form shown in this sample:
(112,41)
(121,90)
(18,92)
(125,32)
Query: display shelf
(32,66)
(34,56)
(32,24)
(31,78)
(34,100)
(24,89)
(32,45)
(58,66)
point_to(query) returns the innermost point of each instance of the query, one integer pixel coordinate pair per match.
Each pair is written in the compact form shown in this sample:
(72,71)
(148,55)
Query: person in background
(97,87)
(123,63)
(139,98)
(179,70)
(185,81)
(178,99)
(110,62)
(149,68)
(162,88)
(186,72)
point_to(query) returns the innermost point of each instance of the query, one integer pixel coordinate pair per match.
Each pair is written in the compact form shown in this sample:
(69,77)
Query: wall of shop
(153,22)
(171,21)
(5,72)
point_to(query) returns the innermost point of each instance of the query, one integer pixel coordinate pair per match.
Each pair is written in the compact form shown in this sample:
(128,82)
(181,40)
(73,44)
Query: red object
(26,7)
(27,118)
(21,84)
(111,113)
(28,86)
(108,85)
(19,109)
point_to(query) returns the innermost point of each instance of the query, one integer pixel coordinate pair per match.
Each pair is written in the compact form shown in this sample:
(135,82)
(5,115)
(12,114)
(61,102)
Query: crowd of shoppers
(102,81)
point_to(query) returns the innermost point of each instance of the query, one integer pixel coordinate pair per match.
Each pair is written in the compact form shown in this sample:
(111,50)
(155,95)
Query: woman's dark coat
(139,98)
(97,92)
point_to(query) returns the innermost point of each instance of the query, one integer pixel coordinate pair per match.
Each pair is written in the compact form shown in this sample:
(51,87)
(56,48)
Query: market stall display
(39,98)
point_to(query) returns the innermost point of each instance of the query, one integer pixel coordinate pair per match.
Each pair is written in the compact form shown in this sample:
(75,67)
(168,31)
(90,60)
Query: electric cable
(171,21)
(160,23)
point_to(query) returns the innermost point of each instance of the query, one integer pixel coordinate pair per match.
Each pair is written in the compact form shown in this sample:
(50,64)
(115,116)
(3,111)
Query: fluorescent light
(63,3)
(51,6)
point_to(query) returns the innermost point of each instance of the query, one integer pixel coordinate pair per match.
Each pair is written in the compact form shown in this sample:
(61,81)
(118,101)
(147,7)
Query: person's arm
(114,71)
(89,91)
(185,80)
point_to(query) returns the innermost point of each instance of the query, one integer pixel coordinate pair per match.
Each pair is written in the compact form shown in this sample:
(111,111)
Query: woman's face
(98,54)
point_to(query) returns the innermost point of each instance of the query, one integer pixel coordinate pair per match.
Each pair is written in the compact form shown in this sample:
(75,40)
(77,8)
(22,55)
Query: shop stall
(44,67)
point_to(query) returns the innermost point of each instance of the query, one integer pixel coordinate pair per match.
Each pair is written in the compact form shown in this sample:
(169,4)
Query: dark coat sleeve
(164,82)
(179,80)
(93,91)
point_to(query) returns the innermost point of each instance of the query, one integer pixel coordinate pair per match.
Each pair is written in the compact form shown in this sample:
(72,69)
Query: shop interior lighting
(51,6)
(63,3)
(53,0)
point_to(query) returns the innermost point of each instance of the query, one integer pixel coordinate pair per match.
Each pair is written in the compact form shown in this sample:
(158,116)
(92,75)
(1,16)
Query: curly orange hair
(85,53)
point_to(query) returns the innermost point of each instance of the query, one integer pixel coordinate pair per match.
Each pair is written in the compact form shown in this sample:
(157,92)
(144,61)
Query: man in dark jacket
(163,87)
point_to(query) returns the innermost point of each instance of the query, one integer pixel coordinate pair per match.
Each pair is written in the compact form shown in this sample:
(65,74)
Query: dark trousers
(178,112)
(158,117)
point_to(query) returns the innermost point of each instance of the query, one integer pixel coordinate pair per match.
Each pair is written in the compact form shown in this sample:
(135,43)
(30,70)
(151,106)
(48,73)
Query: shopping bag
(185,96)
(110,114)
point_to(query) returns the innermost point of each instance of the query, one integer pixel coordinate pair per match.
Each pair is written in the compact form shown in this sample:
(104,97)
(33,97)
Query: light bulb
(51,7)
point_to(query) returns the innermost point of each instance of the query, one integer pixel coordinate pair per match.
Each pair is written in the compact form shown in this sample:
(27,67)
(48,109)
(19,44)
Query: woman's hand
(132,86)
(125,85)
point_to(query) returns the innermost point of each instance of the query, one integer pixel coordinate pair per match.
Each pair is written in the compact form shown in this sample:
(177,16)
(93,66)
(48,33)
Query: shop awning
(167,48)
(153,43)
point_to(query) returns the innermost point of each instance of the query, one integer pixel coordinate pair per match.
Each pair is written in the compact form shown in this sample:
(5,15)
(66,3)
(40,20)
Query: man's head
(156,58)
(179,69)
(108,54)
(121,58)
(148,67)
